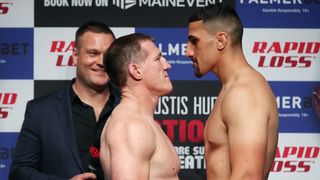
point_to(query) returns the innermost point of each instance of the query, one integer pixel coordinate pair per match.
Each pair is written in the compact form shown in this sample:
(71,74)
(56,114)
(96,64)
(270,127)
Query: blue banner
(7,145)
(279,14)
(16,53)
(297,108)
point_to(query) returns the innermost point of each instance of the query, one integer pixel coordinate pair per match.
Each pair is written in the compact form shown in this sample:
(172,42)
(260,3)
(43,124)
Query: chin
(171,88)
(100,84)
(198,74)
(101,80)
(167,90)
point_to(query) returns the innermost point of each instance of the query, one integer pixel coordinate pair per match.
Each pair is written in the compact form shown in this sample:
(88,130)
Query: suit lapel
(63,105)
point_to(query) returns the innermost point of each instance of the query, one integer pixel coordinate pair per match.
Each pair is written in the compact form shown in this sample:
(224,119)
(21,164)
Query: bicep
(247,135)
(130,151)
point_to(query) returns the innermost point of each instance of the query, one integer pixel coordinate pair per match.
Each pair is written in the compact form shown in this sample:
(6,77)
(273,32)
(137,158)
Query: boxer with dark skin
(241,132)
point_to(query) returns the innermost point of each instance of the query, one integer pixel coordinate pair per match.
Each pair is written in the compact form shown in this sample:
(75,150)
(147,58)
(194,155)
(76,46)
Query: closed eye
(93,53)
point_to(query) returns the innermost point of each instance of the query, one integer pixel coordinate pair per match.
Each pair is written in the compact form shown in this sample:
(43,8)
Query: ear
(75,56)
(135,71)
(222,40)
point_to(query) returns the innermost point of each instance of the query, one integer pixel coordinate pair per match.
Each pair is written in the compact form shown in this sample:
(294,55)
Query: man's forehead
(197,27)
(148,45)
(150,48)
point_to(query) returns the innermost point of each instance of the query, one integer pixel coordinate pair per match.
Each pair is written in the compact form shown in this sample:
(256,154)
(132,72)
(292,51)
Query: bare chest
(215,131)
(165,159)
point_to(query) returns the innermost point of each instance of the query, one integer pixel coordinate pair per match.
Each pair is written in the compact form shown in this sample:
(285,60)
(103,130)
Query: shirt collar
(114,97)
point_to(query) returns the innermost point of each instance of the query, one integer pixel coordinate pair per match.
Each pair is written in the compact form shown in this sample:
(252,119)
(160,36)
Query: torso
(164,161)
(216,136)
(216,145)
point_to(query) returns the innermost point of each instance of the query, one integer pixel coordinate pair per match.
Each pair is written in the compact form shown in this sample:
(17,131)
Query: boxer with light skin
(133,145)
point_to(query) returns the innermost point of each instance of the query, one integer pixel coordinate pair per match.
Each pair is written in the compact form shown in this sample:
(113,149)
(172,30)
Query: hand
(84,176)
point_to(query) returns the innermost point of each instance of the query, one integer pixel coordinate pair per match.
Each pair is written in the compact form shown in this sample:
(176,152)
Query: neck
(90,96)
(142,100)
(229,65)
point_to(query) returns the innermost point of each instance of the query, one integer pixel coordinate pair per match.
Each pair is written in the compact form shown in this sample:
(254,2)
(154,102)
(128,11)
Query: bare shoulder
(127,127)
(249,94)
(249,111)
(249,86)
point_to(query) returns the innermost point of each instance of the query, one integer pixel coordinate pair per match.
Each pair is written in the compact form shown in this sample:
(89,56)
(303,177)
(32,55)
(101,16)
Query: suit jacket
(47,146)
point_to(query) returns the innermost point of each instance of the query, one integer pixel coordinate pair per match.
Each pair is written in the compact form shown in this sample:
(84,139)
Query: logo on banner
(188,130)
(295,159)
(5,6)
(296,105)
(285,54)
(126,4)
(293,102)
(62,49)
(285,6)
(16,53)
(172,50)
(14,49)
(280,2)
(7,100)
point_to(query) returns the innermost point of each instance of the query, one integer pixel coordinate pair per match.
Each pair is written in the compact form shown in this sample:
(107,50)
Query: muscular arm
(244,113)
(131,144)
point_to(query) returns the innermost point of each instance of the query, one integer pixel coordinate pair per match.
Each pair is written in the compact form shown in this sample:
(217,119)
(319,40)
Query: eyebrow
(158,56)
(90,49)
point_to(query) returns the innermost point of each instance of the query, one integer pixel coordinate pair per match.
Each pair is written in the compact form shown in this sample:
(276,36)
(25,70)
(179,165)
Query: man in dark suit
(61,129)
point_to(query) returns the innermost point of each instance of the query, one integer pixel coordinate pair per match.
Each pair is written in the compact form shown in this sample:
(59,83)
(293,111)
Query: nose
(166,65)
(100,60)
(189,51)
